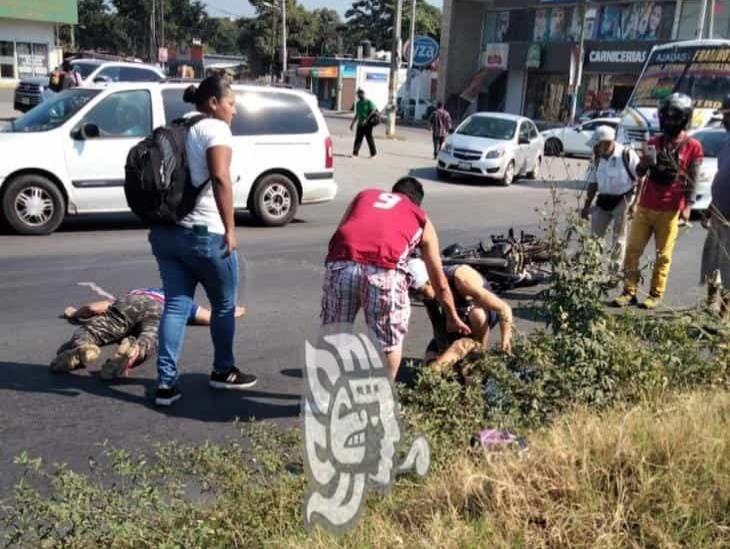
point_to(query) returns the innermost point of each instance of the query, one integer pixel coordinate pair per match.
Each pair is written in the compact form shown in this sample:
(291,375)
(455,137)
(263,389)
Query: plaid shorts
(381,293)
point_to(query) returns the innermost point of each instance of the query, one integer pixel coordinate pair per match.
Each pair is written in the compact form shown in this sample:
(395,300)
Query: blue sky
(224,8)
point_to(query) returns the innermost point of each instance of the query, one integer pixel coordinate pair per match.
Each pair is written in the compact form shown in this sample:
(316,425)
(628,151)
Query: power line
(224,11)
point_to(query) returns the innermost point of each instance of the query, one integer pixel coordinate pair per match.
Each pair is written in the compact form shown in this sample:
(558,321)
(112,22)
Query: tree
(373,20)
(222,36)
(329,26)
(99,27)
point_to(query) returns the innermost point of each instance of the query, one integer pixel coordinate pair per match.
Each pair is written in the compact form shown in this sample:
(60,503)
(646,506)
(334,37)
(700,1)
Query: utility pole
(283,41)
(579,68)
(153,31)
(711,32)
(701,22)
(411,53)
(394,68)
(162,26)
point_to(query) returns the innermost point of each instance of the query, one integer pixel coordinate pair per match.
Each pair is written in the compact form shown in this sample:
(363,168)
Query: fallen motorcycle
(507,262)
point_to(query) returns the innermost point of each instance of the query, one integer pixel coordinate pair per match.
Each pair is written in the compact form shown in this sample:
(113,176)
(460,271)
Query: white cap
(419,274)
(602,133)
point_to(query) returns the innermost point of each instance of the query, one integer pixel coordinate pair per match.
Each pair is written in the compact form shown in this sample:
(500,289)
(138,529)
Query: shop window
(506,26)
(32,59)
(636,21)
(690,16)
(7,59)
(555,25)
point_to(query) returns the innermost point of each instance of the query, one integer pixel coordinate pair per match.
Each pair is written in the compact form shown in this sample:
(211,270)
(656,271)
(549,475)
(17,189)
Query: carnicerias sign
(619,58)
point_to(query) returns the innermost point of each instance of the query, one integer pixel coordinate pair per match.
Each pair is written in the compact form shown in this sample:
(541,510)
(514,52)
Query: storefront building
(28,36)
(527,62)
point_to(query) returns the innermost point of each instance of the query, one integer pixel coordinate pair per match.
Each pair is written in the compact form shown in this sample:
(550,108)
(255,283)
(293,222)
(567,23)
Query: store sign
(534,57)
(325,72)
(617,56)
(425,53)
(49,11)
(496,56)
(348,70)
(376,76)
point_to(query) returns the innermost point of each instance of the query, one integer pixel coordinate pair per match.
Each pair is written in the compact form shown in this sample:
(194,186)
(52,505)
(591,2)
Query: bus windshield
(702,72)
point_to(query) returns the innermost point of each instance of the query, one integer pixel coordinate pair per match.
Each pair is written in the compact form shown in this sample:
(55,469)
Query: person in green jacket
(366,117)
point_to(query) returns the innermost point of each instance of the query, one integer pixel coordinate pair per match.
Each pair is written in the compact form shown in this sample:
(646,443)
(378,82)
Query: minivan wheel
(275,200)
(33,205)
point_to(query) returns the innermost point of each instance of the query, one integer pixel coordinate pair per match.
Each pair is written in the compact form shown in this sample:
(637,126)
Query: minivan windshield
(54,112)
(488,127)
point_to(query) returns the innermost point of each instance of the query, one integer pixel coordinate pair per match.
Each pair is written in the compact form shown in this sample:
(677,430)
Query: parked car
(33,91)
(494,146)
(425,108)
(713,141)
(587,116)
(67,156)
(573,140)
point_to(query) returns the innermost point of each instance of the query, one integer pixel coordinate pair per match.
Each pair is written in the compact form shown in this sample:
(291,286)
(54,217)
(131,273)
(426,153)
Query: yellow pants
(664,226)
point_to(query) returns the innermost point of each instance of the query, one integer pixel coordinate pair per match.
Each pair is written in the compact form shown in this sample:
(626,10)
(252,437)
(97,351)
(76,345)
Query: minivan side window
(112,73)
(173,104)
(257,112)
(137,74)
(122,114)
(272,113)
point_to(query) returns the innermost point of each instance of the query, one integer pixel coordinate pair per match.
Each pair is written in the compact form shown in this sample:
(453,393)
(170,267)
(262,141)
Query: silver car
(493,146)
(713,140)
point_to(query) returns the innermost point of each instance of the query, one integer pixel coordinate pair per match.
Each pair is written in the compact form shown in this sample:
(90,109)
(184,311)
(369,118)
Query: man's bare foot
(240,311)
(70,312)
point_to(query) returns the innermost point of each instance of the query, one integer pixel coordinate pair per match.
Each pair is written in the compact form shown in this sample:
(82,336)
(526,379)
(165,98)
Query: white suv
(34,90)
(67,155)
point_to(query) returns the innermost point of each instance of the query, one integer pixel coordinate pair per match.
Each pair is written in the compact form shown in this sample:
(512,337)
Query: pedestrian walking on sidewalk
(366,117)
(671,162)
(201,249)
(440,124)
(612,176)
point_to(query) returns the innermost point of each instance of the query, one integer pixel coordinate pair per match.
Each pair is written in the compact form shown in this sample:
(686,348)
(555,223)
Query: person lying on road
(476,305)
(132,320)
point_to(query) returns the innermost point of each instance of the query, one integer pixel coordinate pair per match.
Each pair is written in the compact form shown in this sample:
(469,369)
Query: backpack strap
(189,121)
(626,157)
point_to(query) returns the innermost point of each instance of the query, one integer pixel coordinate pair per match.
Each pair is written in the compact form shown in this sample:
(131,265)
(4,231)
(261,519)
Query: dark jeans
(365,131)
(186,259)
(438,142)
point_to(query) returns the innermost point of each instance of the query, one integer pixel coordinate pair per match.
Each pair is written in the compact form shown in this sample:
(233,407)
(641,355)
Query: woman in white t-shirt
(202,247)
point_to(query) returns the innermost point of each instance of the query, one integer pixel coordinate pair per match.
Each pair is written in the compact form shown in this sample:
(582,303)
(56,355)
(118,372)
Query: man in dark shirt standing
(365,118)
(440,124)
(716,253)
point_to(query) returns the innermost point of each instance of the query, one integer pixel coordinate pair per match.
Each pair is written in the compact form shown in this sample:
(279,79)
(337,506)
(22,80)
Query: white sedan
(713,141)
(573,140)
(494,146)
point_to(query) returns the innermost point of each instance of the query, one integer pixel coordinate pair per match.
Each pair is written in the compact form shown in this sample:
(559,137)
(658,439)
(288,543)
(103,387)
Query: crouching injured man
(476,305)
(132,321)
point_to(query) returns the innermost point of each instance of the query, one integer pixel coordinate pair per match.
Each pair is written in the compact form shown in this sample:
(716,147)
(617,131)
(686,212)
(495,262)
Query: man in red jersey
(671,164)
(367,265)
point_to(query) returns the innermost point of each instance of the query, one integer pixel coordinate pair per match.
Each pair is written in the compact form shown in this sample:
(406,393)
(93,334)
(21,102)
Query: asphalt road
(64,418)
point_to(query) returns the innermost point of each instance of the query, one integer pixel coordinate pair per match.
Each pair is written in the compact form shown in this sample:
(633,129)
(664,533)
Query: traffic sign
(425,52)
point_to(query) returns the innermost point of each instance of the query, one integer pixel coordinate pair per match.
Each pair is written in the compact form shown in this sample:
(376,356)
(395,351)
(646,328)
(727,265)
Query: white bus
(698,68)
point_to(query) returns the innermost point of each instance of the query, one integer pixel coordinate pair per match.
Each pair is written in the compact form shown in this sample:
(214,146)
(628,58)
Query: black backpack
(157,180)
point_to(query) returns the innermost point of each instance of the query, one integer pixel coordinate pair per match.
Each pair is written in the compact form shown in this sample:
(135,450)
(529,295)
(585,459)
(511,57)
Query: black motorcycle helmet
(675,113)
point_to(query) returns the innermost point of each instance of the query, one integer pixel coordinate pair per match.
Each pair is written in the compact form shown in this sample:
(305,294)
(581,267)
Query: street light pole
(394,68)
(701,22)
(283,41)
(411,53)
(579,68)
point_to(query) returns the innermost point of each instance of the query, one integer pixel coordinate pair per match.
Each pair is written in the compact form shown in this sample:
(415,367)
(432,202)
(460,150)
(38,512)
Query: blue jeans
(186,259)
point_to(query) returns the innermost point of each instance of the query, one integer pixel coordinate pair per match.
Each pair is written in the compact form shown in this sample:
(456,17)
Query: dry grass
(646,476)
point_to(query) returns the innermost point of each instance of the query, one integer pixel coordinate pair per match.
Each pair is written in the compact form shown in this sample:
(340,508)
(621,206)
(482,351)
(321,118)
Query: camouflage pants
(132,315)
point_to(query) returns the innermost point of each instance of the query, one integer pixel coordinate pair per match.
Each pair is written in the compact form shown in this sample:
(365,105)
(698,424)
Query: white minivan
(66,156)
